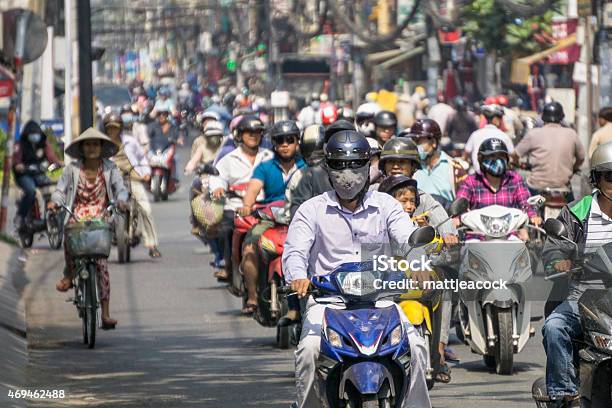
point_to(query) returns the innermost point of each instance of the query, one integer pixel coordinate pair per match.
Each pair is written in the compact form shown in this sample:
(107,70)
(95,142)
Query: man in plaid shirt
(495,184)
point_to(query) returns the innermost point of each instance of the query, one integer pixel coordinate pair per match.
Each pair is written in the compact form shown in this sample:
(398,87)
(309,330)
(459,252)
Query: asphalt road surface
(181,341)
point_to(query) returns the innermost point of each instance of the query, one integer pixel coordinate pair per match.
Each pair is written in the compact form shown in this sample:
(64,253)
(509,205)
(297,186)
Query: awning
(520,67)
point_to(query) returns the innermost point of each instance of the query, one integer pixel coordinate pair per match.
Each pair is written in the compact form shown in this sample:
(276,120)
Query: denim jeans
(28,184)
(560,328)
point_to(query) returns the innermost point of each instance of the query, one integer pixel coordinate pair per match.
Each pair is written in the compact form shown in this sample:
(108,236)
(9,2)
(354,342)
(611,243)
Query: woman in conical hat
(87,186)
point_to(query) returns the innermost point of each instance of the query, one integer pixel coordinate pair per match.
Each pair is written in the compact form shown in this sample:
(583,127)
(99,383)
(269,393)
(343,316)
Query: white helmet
(213,128)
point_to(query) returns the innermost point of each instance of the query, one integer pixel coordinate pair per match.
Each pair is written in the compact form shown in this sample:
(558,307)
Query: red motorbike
(162,168)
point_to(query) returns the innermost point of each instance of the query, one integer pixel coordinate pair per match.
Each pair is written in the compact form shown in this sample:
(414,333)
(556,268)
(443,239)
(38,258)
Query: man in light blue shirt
(329,230)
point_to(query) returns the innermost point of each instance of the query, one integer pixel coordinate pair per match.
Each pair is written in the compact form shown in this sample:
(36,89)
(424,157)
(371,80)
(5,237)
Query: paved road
(181,342)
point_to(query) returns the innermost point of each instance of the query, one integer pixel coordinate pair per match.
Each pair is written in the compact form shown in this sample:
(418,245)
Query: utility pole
(13,115)
(589,76)
(67,72)
(85,80)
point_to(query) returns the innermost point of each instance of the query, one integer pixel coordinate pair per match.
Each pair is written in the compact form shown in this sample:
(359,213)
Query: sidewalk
(13,343)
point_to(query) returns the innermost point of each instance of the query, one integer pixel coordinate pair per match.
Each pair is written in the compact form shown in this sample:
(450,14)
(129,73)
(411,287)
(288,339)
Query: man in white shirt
(235,171)
(493,114)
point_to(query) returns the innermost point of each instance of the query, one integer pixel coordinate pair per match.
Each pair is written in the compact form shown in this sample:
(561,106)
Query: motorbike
(421,310)
(364,360)
(495,322)
(40,220)
(271,305)
(594,356)
(162,182)
(125,226)
(86,242)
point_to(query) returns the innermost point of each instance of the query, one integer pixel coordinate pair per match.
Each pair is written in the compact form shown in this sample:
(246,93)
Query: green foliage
(495,28)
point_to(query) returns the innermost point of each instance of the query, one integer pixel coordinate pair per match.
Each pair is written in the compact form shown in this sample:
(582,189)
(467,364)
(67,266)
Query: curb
(13,339)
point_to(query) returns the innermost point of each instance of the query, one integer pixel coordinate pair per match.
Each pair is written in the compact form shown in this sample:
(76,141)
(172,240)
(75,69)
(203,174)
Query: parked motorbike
(595,349)
(271,305)
(40,220)
(365,353)
(162,164)
(496,322)
(86,242)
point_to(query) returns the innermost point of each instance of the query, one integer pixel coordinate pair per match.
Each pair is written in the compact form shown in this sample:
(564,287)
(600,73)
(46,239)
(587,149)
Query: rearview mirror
(555,228)
(458,207)
(422,236)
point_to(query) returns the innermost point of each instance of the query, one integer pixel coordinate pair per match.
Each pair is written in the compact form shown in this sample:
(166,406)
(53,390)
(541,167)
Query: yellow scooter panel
(416,313)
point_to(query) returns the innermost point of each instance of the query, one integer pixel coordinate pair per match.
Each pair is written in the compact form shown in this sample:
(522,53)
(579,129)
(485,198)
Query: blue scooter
(364,359)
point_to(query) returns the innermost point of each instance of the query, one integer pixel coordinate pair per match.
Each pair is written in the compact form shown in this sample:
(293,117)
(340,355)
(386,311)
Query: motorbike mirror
(555,228)
(422,236)
(458,207)
(536,200)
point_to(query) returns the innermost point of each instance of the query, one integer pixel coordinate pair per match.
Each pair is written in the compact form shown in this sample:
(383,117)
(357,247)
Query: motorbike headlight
(396,335)
(522,265)
(477,265)
(357,283)
(334,338)
(496,227)
(602,341)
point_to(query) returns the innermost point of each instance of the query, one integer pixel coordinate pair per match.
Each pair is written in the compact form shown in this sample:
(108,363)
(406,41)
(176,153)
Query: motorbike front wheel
(504,348)
(55,230)
(156,187)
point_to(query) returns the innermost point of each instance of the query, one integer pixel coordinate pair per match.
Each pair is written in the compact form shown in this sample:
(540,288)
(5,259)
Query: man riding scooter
(236,168)
(271,177)
(588,222)
(32,150)
(329,230)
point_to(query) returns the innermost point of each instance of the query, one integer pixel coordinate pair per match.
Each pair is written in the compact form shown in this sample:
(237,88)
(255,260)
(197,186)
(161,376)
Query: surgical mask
(495,167)
(127,118)
(348,183)
(423,154)
(315,105)
(367,128)
(34,138)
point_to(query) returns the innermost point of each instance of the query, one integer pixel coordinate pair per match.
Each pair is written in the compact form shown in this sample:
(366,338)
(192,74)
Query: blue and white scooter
(365,353)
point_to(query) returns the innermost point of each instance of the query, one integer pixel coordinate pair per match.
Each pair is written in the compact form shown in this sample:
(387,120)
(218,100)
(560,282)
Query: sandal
(64,284)
(249,309)
(108,324)
(444,374)
(221,275)
(154,253)
(449,355)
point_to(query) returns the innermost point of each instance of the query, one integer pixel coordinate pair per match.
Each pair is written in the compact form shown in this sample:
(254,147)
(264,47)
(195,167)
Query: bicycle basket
(88,239)
(207,212)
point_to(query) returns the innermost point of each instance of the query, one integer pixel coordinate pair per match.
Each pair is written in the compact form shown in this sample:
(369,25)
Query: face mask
(495,167)
(348,183)
(213,140)
(127,118)
(315,105)
(423,154)
(367,128)
(35,138)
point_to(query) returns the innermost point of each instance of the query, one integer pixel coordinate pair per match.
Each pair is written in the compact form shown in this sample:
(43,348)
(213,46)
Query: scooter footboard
(367,377)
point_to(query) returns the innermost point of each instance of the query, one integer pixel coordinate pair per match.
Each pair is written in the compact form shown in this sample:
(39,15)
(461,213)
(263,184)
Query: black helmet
(492,146)
(407,133)
(399,148)
(337,126)
(312,142)
(392,183)
(347,145)
(552,113)
(385,119)
(284,128)
(426,128)
(248,123)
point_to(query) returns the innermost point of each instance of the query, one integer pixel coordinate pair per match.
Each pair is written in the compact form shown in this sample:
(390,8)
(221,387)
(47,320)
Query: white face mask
(348,183)
(35,138)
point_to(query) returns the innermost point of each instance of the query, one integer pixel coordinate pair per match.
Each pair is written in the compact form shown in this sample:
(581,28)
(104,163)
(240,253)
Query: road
(181,341)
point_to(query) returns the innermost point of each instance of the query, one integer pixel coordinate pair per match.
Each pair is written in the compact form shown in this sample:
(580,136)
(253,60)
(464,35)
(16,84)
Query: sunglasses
(347,164)
(280,140)
(607,176)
